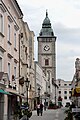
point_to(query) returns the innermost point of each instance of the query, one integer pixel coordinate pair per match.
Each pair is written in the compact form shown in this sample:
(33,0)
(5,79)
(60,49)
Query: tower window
(46,61)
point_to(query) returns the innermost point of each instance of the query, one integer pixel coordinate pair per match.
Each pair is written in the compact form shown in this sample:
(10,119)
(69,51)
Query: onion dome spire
(46,27)
(46,13)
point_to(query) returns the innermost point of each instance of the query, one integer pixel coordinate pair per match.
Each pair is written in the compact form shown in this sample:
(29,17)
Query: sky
(65,21)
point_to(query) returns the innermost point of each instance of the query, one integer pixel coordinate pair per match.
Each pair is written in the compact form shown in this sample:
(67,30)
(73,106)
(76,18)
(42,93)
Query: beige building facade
(16,59)
(10,13)
(26,62)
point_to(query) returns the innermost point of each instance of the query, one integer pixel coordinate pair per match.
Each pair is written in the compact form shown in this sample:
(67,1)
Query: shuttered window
(9,70)
(14,40)
(1,23)
(9,32)
(0,64)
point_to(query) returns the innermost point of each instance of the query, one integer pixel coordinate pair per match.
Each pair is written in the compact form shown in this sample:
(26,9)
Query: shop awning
(4,92)
(17,94)
(76,92)
(78,89)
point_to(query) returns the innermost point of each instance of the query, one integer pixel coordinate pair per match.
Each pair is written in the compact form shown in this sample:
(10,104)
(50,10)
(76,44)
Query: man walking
(41,108)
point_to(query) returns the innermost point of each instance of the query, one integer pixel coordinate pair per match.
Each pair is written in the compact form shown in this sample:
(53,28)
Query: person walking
(38,109)
(41,108)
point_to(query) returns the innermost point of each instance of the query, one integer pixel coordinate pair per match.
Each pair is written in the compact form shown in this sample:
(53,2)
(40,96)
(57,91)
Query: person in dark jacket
(41,109)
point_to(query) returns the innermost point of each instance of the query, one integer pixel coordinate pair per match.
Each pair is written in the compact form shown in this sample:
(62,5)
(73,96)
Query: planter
(28,113)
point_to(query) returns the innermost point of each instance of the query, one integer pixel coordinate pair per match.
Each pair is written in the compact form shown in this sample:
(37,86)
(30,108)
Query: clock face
(46,48)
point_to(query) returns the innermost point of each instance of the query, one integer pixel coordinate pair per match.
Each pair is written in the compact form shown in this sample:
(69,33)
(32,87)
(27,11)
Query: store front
(12,100)
(1,106)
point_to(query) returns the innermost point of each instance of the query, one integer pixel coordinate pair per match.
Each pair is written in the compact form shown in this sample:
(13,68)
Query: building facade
(47,54)
(10,13)
(64,92)
(41,91)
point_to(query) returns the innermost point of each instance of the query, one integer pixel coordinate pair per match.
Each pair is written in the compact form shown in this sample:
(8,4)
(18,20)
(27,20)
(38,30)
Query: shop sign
(75,109)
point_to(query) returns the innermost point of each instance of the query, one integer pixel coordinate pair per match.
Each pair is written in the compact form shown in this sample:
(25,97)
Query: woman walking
(38,109)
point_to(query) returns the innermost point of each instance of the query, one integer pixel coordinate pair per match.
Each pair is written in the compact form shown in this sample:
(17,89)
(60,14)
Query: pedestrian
(38,108)
(41,108)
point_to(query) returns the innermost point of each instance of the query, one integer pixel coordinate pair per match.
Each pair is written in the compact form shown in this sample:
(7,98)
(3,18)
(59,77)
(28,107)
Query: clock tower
(47,52)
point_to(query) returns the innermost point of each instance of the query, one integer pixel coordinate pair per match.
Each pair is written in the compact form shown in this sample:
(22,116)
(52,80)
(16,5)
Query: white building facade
(41,88)
(64,91)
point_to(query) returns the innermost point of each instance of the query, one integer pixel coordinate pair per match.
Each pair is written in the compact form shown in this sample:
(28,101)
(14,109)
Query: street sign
(24,107)
(75,109)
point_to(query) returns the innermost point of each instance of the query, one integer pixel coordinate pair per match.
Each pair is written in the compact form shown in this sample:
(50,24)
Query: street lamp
(27,86)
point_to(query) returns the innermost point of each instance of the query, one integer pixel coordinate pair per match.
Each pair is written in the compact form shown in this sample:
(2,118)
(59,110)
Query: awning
(76,92)
(4,92)
(78,89)
(17,94)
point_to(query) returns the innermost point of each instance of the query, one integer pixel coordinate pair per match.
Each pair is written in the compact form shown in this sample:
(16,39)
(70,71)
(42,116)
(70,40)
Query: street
(57,114)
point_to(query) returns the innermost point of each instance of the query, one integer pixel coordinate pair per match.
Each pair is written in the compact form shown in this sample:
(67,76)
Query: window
(46,61)
(59,92)
(0,64)
(14,72)
(65,84)
(59,81)
(1,23)
(65,92)
(14,40)
(9,70)
(69,84)
(69,92)
(30,41)
(70,97)
(8,32)
(65,97)
(59,84)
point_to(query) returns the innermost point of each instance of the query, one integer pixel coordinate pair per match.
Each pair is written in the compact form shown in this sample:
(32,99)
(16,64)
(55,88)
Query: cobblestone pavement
(49,115)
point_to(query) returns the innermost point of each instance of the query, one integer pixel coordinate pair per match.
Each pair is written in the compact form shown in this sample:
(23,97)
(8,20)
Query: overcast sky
(65,20)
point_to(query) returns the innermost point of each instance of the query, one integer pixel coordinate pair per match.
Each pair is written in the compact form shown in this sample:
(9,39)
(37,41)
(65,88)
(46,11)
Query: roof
(19,7)
(46,27)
